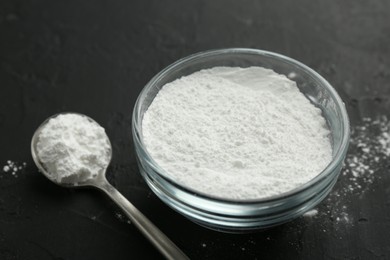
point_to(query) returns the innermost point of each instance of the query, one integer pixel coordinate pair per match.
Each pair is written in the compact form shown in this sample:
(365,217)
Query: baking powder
(72,148)
(236,133)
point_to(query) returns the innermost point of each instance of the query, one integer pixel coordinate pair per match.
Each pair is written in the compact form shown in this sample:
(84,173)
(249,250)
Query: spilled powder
(370,148)
(311,213)
(13,168)
(122,218)
(366,159)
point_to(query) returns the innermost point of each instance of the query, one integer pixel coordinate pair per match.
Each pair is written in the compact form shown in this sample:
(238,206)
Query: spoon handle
(158,238)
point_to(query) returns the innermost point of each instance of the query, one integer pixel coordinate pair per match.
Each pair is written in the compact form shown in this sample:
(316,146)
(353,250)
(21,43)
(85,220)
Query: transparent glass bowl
(249,215)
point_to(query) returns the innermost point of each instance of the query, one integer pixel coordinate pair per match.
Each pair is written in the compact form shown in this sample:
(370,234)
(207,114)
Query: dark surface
(94,57)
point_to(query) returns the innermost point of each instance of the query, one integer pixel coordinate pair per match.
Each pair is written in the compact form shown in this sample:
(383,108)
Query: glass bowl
(245,215)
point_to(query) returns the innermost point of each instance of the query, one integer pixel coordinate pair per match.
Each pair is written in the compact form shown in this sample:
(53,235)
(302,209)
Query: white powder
(73,148)
(311,213)
(370,143)
(13,167)
(236,133)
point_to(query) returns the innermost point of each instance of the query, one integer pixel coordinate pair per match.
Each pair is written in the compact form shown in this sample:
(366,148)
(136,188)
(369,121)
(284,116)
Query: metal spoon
(158,239)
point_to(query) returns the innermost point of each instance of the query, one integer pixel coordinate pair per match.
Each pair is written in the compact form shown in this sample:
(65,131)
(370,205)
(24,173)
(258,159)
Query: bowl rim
(338,156)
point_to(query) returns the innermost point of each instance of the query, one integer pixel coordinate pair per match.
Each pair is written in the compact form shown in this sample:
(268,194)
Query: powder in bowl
(236,133)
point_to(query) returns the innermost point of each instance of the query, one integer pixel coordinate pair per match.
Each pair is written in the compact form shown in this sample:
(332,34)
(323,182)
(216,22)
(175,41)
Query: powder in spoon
(236,133)
(73,148)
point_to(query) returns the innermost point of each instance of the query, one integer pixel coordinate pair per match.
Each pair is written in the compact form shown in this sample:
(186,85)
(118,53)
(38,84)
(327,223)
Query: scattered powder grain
(366,162)
(236,133)
(370,148)
(13,167)
(311,213)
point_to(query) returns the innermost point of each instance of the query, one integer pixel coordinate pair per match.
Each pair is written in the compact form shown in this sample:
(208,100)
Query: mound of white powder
(236,133)
(72,148)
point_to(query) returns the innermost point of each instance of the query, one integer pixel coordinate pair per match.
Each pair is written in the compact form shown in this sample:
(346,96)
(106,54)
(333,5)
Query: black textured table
(94,57)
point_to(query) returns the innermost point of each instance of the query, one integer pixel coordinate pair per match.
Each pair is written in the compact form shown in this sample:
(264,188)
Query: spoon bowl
(99,181)
(94,181)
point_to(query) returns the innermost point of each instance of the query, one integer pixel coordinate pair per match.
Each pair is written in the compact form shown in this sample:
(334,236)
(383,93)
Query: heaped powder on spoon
(236,133)
(72,148)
